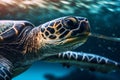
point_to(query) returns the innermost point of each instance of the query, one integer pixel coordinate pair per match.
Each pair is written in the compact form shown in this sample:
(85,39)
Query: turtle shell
(10,29)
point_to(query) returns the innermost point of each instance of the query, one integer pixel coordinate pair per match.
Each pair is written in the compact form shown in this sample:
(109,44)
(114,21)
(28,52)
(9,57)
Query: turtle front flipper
(84,61)
(5,69)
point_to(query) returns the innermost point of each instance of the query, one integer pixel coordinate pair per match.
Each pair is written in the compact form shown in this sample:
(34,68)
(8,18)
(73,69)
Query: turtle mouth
(72,43)
(81,38)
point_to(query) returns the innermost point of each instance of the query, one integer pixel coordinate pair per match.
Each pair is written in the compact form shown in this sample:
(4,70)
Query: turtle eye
(70,22)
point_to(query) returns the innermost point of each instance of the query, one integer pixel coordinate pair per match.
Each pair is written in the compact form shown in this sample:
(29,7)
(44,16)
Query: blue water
(41,69)
(104,18)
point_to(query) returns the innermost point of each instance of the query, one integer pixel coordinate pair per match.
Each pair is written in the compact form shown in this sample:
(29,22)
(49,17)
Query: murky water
(104,17)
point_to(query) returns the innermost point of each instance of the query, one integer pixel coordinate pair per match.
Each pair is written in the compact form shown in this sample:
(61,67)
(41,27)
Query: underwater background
(104,18)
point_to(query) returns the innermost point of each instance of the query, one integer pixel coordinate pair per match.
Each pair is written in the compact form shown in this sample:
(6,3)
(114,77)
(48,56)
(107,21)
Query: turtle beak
(84,27)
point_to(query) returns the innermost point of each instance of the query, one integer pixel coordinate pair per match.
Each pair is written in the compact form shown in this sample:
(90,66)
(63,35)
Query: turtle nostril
(86,19)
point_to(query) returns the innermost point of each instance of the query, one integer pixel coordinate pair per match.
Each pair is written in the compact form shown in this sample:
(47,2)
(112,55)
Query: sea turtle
(21,44)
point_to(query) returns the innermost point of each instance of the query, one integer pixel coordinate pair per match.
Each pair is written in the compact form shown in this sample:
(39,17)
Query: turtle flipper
(84,60)
(5,69)
(5,74)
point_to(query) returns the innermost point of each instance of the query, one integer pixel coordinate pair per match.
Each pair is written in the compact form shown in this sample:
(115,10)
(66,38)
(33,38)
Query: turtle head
(65,32)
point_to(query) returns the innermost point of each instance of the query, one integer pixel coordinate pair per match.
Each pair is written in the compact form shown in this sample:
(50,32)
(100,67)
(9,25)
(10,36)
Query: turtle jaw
(73,42)
(57,46)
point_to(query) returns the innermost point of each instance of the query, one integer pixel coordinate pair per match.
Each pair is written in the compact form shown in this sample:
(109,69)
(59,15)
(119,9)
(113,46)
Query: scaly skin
(49,42)
(5,69)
